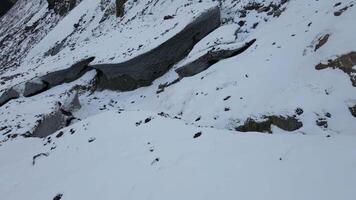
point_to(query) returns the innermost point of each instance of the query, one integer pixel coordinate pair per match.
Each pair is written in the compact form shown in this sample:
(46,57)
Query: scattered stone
(353,110)
(143,69)
(197,135)
(148,120)
(58,197)
(299,111)
(91,139)
(322,122)
(344,62)
(168,17)
(154,161)
(339,12)
(211,57)
(60,134)
(321,41)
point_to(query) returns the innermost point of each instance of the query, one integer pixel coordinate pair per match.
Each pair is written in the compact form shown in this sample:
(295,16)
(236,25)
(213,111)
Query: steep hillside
(178,99)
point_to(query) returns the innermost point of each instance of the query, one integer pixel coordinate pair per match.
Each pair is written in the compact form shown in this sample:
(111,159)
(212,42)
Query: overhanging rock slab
(145,68)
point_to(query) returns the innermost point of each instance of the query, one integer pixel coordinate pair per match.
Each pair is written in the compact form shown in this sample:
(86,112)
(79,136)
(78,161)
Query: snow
(110,157)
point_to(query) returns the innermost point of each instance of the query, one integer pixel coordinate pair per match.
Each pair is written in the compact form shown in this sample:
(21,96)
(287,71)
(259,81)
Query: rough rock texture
(5,5)
(8,95)
(61,7)
(344,62)
(33,88)
(289,123)
(322,40)
(57,119)
(353,110)
(67,75)
(120,9)
(211,57)
(143,69)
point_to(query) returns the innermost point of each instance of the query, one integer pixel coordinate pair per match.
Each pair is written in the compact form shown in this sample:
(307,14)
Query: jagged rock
(353,110)
(61,7)
(344,62)
(143,69)
(5,5)
(288,123)
(211,57)
(57,119)
(322,40)
(32,88)
(8,95)
(67,75)
(120,8)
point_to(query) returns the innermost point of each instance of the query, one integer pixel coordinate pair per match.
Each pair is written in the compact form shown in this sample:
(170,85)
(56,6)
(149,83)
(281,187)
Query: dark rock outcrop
(120,9)
(61,7)
(8,95)
(288,123)
(5,5)
(143,69)
(32,88)
(67,75)
(322,40)
(353,110)
(345,63)
(211,57)
(57,119)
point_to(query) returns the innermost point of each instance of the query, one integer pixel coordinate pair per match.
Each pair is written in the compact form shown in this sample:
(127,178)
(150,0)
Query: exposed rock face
(322,40)
(289,123)
(211,57)
(120,8)
(32,88)
(344,62)
(67,75)
(49,80)
(59,118)
(8,95)
(61,7)
(5,5)
(143,69)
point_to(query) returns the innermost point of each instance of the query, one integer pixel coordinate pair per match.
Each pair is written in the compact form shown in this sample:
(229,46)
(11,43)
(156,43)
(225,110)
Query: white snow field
(181,142)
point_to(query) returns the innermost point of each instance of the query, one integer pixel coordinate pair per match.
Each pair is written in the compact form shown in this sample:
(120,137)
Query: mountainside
(178,99)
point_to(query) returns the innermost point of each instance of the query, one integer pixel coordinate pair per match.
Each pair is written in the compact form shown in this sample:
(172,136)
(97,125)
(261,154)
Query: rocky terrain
(178,99)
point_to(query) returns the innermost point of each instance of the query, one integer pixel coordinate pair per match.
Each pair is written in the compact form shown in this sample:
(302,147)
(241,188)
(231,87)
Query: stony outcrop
(8,95)
(59,118)
(143,69)
(5,5)
(344,62)
(288,123)
(61,7)
(52,79)
(34,87)
(211,57)
(67,75)
(120,9)
(353,110)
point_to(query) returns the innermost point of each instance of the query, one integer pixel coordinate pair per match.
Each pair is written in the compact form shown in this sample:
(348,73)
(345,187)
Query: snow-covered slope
(182,138)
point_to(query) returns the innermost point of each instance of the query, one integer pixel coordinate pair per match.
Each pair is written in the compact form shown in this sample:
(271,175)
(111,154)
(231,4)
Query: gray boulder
(67,75)
(145,68)
(8,95)
(32,88)
(211,57)
(59,118)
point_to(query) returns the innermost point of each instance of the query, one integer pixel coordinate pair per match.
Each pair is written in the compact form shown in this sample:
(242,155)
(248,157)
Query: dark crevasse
(5,5)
